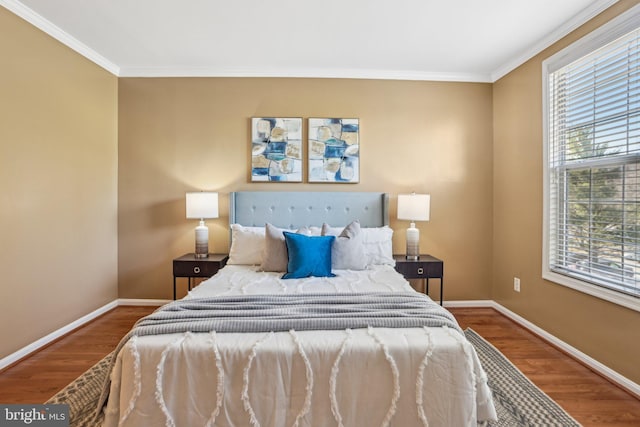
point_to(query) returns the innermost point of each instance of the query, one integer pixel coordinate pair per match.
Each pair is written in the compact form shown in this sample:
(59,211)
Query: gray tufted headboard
(295,209)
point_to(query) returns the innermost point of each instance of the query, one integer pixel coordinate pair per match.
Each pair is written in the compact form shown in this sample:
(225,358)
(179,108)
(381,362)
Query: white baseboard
(593,364)
(37,345)
(470,304)
(42,342)
(142,302)
(590,362)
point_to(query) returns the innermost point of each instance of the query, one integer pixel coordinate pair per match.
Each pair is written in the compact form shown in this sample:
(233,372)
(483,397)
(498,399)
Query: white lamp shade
(414,207)
(202,205)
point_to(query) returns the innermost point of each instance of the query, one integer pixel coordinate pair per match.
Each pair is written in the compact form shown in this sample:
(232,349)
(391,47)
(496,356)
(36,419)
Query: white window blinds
(593,175)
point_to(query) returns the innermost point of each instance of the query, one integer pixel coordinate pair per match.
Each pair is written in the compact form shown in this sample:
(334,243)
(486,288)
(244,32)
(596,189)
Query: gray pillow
(274,254)
(347,252)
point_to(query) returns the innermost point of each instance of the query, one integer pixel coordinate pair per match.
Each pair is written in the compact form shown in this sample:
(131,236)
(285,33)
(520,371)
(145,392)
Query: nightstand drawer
(419,270)
(195,269)
(426,267)
(191,267)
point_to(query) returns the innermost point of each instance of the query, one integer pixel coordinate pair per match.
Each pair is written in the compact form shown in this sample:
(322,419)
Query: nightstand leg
(441,289)
(174,288)
(426,286)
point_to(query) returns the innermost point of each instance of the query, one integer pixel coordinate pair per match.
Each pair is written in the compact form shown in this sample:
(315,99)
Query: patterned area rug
(518,401)
(83,393)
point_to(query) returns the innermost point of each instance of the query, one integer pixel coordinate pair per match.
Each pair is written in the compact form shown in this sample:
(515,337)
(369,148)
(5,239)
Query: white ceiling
(457,40)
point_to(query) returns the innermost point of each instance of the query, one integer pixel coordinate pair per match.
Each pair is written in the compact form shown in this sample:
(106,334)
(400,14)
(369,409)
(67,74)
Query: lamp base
(202,240)
(413,242)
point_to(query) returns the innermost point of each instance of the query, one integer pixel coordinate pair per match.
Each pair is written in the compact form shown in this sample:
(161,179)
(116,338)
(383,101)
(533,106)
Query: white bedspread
(395,377)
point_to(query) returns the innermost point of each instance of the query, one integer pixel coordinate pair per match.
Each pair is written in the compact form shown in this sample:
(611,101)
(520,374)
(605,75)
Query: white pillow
(377,241)
(378,246)
(311,231)
(247,244)
(347,250)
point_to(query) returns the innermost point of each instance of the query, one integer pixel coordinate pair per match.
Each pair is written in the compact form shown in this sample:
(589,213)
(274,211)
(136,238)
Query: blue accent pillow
(308,256)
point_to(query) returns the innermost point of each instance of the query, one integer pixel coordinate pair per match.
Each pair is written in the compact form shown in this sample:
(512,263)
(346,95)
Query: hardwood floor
(588,397)
(40,376)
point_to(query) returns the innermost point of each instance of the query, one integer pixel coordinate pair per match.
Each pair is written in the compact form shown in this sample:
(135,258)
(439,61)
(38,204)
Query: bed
(351,346)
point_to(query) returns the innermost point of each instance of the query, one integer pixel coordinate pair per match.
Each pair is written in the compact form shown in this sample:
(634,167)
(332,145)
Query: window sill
(614,297)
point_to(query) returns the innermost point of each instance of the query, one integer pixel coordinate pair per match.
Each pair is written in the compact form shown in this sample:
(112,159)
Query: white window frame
(619,26)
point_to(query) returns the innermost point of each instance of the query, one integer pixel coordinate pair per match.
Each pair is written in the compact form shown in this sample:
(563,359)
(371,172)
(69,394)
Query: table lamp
(202,205)
(413,207)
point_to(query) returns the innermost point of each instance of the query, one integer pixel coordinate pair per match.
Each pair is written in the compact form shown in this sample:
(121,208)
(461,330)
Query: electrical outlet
(516,284)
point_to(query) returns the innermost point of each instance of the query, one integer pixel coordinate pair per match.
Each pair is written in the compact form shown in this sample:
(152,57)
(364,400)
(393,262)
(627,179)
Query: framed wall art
(334,150)
(276,149)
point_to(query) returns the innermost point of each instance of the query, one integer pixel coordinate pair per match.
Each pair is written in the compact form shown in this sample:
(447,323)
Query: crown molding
(581,18)
(323,73)
(57,33)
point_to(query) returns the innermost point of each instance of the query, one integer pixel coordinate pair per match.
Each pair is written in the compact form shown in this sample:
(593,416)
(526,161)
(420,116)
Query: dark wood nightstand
(426,267)
(189,266)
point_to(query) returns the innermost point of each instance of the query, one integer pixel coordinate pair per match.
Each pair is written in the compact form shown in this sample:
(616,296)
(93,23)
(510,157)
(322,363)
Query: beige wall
(70,131)
(184,134)
(598,328)
(58,183)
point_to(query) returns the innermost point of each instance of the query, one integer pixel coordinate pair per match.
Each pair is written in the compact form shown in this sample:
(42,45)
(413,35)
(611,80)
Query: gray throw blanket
(301,312)
(284,312)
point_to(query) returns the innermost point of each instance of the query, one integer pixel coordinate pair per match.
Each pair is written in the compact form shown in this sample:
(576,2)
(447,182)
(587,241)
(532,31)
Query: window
(592,163)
